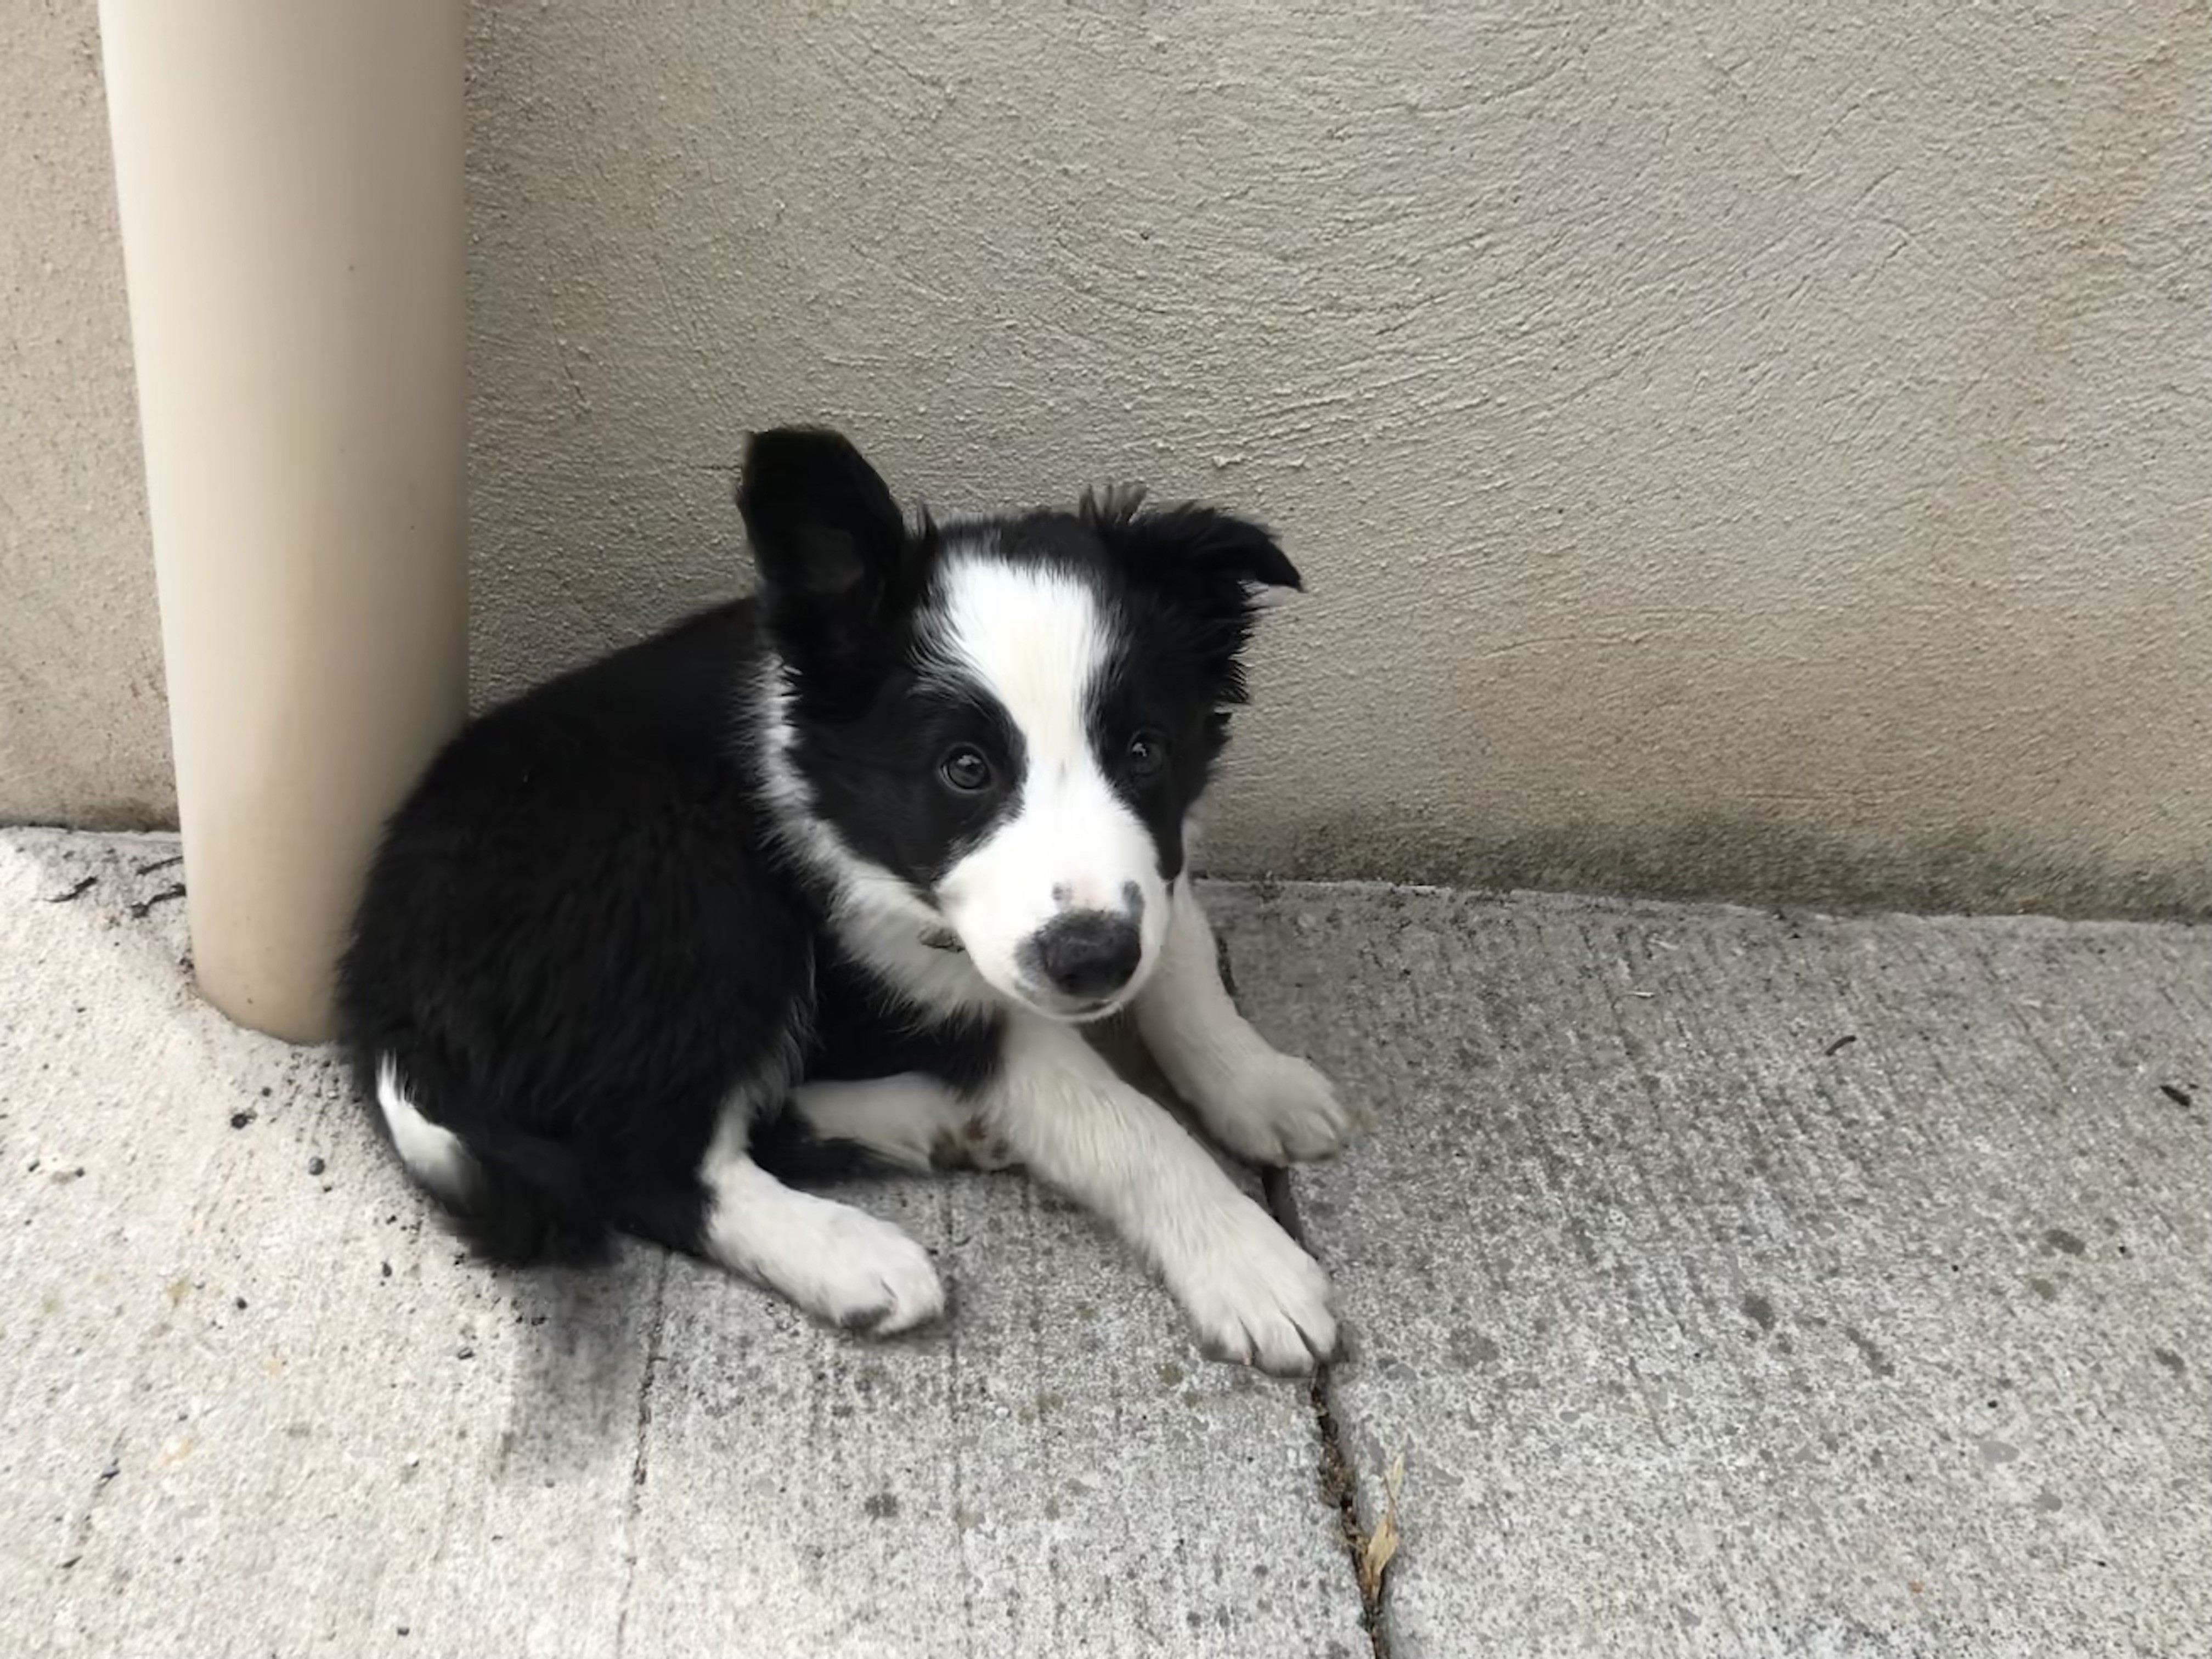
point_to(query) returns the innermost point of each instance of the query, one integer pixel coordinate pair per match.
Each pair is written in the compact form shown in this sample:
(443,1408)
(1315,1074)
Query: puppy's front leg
(1252,1293)
(1263,1104)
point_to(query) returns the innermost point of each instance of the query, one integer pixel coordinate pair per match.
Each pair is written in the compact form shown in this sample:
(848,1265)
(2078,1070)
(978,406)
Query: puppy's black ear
(1225,548)
(835,561)
(1189,546)
(1212,565)
(823,526)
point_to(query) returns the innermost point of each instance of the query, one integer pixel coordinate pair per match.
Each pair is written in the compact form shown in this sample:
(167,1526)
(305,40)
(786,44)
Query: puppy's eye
(966,769)
(1147,754)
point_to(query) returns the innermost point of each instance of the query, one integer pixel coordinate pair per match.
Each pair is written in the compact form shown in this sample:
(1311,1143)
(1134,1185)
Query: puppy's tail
(515,1197)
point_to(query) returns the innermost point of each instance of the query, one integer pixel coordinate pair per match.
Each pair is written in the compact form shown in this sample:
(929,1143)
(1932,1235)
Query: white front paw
(1274,1108)
(1254,1297)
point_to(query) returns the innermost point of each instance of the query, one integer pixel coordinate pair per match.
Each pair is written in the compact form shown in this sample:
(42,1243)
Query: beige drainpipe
(289,178)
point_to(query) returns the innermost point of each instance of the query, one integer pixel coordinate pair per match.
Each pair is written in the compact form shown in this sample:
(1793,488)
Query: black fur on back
(571,943)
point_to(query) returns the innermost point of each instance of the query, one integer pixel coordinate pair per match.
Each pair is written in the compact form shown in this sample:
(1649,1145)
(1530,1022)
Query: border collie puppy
(840,871)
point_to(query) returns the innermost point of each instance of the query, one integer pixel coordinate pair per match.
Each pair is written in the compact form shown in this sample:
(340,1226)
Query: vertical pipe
(288,174)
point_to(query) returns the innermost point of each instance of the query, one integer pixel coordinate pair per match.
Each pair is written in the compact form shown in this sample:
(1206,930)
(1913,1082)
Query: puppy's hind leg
(838,1263)
(911,1119)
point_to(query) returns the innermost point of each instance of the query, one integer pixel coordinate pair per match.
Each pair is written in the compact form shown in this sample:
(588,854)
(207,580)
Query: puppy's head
(1000,727)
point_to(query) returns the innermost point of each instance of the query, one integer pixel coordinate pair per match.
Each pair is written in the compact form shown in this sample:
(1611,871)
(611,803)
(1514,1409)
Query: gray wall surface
(84,733)
(1762,451)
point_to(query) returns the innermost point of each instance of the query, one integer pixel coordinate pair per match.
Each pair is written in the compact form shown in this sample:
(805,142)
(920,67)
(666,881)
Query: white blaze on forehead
(1038,639)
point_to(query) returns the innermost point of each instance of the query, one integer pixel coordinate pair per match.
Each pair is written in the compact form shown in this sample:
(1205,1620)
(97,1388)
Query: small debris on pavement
(174,890)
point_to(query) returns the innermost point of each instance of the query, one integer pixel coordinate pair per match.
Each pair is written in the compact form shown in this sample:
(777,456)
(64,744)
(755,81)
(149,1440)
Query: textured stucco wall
(84,732)
(1757,450)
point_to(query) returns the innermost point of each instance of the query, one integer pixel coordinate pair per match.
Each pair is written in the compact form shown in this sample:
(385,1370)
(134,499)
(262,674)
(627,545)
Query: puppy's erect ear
(824,525)
(835,561)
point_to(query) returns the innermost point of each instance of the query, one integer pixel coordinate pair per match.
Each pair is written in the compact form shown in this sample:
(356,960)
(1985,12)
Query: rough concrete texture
(1696,1328)
(1746,450)
(251,1402)
(1743,1283)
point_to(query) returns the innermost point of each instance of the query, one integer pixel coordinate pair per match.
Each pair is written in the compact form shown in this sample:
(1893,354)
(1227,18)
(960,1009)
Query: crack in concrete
(1339,1476)
(81,1533)
(639,1454)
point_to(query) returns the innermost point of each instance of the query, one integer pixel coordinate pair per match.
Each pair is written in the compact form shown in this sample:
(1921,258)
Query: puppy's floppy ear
(823,526)
(1224,547)
(1188,547)
(1212,564)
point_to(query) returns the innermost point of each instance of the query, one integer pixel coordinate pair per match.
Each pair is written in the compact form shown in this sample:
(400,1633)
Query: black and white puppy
(841,870)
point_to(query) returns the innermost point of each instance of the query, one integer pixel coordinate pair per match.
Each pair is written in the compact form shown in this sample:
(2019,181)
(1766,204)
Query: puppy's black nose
(1087,954)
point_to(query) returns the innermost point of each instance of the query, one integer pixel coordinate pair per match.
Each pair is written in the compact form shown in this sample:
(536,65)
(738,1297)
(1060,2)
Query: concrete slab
(251,1402)
(1732,1282)
(1699,1328)
(1054,1472)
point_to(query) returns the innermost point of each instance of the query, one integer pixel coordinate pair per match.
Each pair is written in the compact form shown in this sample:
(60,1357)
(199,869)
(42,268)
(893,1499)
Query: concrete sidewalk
(1720,1283)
